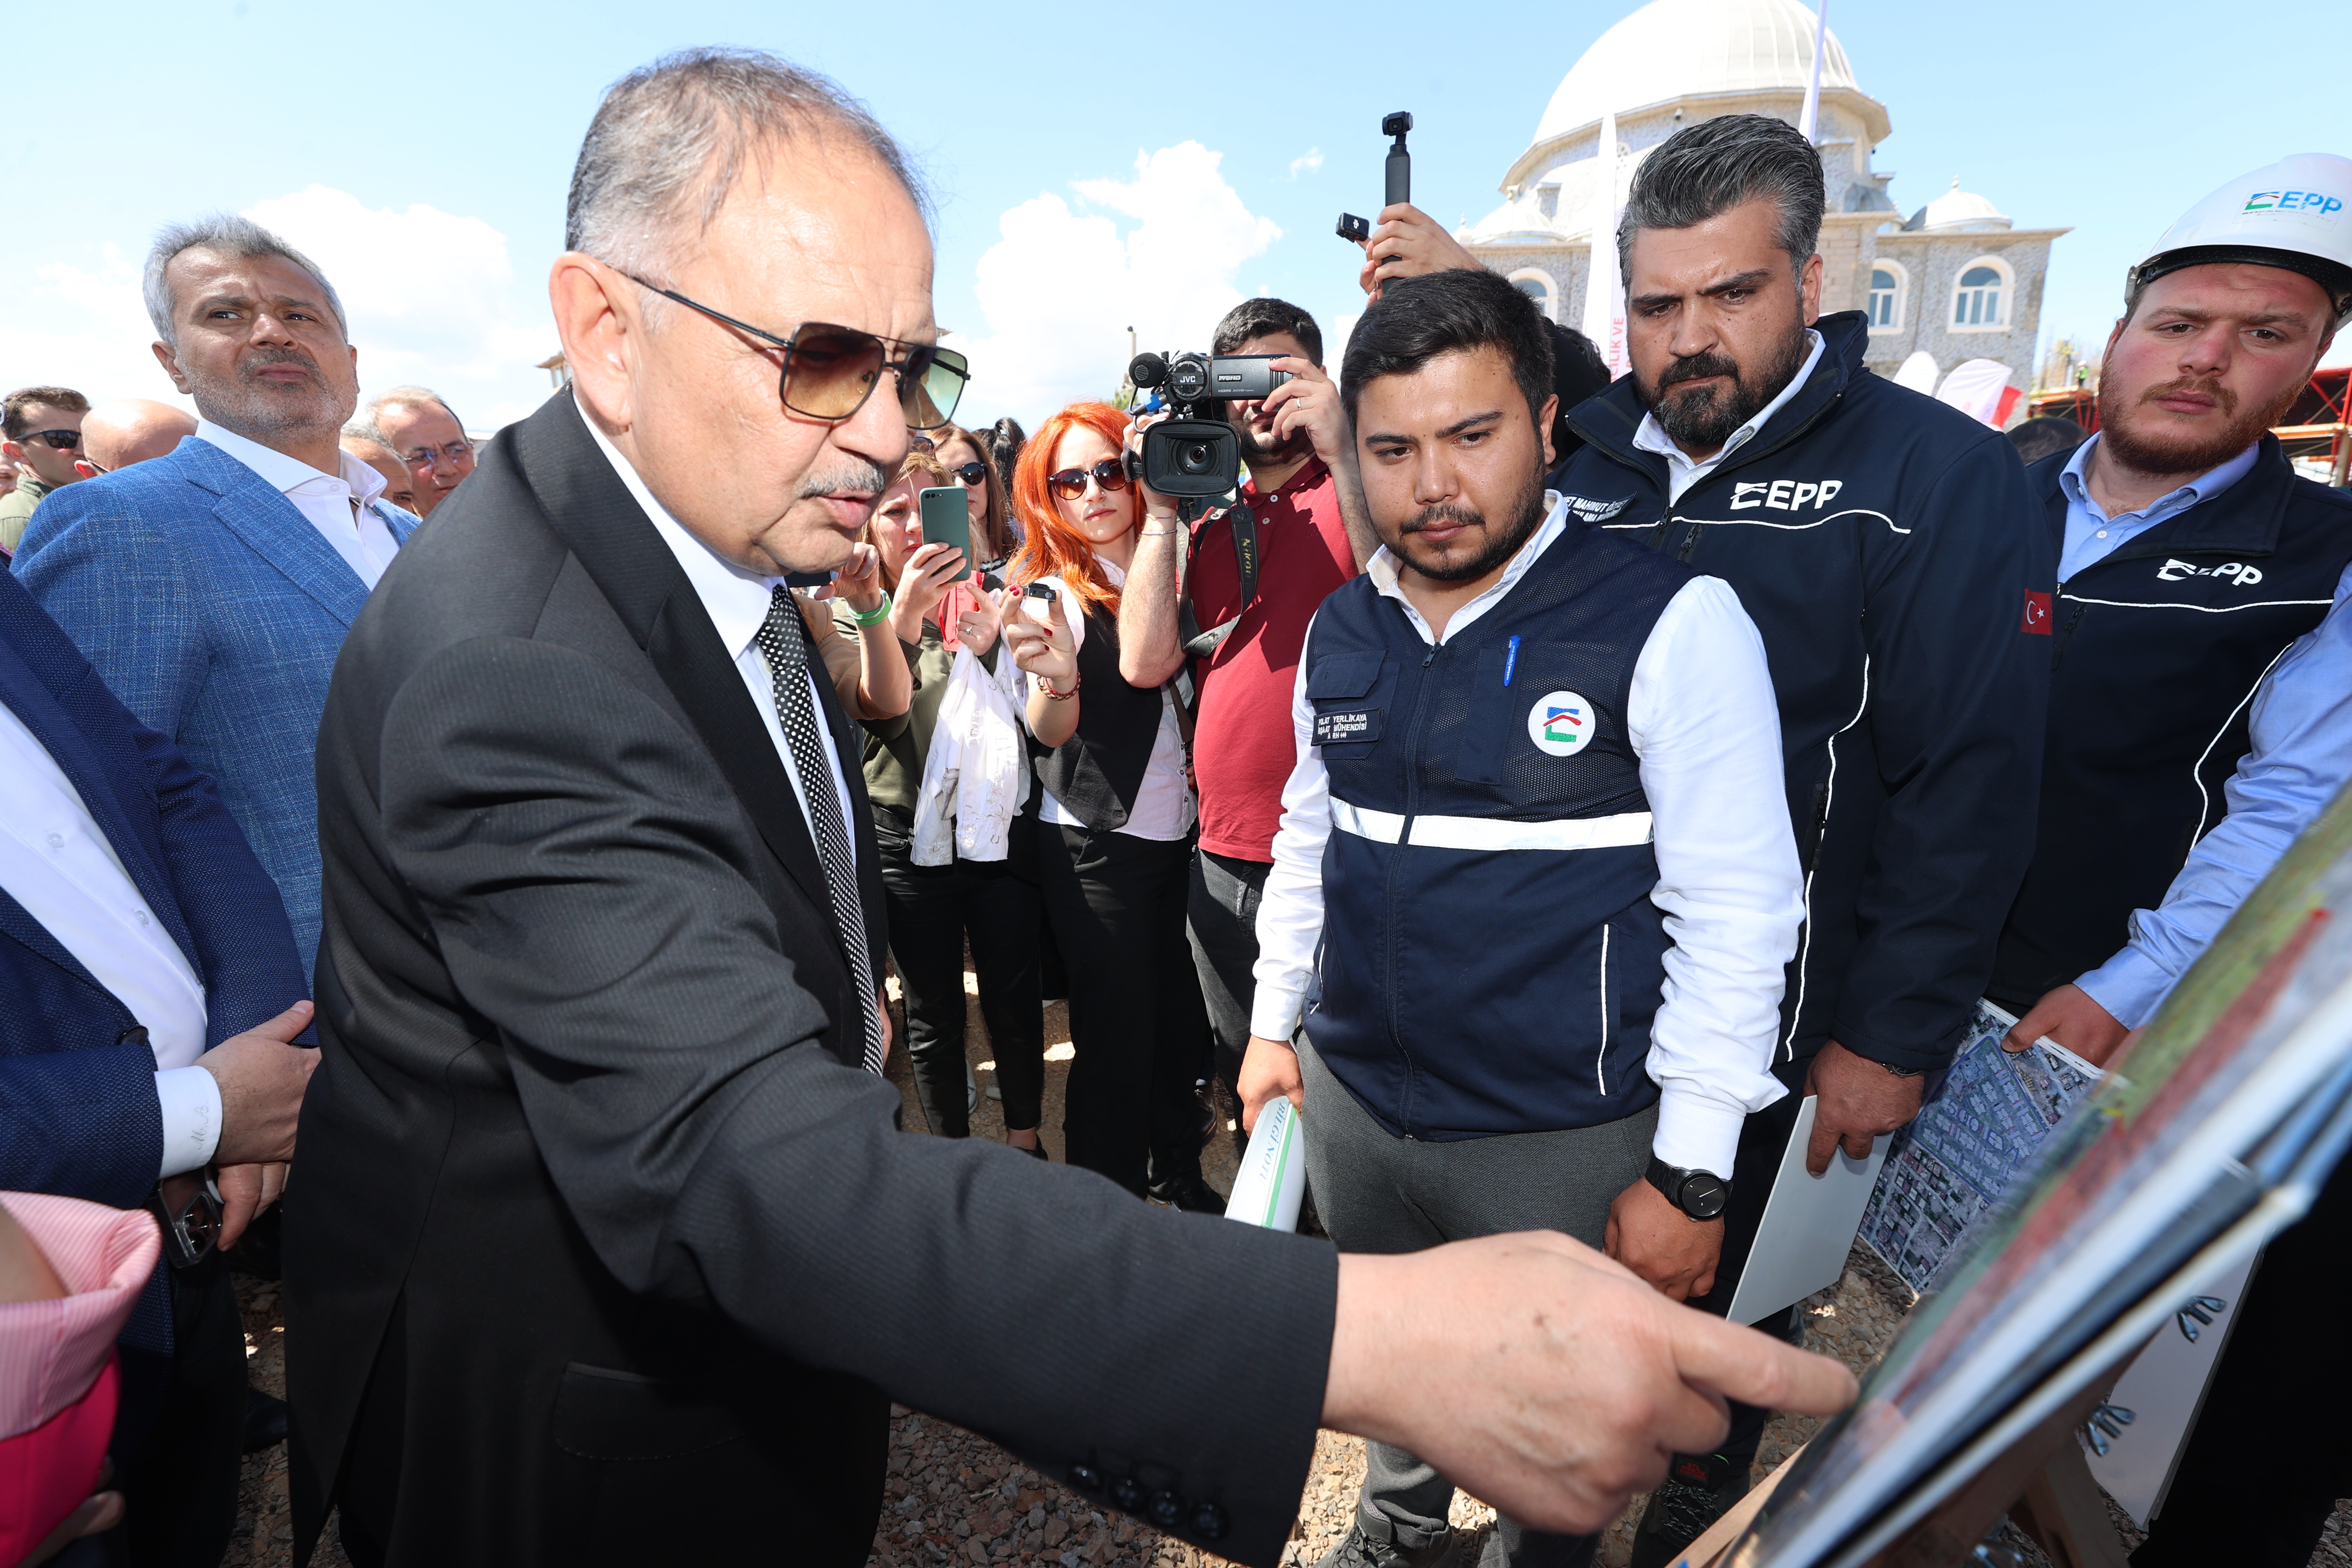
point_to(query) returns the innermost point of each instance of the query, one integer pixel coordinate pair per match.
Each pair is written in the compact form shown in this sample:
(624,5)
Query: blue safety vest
(1491,960)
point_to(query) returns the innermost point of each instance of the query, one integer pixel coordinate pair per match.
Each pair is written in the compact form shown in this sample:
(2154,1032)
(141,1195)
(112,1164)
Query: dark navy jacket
(78,1115)
(1891,555)
(1466,990)
(2156,651)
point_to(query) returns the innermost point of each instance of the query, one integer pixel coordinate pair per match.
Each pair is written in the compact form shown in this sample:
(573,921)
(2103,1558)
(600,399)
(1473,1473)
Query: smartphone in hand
(947,518)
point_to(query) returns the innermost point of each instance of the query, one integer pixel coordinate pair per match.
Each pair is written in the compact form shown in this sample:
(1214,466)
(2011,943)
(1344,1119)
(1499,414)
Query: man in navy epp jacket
(1888,551)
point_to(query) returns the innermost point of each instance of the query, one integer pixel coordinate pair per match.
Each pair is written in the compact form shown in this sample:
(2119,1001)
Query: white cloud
(431,297)
(84,327)
(1307,162)
(1062,285)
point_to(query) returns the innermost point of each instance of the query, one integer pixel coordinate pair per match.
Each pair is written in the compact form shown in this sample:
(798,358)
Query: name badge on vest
(1341,729)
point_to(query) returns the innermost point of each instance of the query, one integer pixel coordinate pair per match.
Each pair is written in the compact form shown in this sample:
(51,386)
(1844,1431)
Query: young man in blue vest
(1535,885)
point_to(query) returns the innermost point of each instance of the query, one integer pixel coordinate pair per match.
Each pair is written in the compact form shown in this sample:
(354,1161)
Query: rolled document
(1273,1176)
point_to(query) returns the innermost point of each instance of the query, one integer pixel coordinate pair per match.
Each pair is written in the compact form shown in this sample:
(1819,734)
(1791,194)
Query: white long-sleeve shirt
(1704,724)
(56,862)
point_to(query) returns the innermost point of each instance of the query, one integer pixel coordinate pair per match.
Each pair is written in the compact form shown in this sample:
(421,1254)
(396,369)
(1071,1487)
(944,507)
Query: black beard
(1257,453)
(1499,548)
(1704,421)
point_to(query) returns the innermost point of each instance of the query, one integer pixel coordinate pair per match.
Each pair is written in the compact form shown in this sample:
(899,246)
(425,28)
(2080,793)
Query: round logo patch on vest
(1560,723)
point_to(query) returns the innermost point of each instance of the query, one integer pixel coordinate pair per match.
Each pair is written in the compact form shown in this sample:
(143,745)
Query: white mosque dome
(1672,49)
(1957,212)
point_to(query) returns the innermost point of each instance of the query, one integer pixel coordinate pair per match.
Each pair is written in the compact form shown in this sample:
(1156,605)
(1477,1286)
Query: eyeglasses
(434,456)
(59,440)
(970,474)
(829,371)
(1071,483)
(925,444)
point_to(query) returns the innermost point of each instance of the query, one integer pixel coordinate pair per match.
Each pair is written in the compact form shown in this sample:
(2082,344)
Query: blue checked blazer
(215,610)
(78,1115)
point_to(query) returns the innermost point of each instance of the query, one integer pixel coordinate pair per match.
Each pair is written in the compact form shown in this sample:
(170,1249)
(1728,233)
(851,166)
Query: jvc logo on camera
(1785,495)
(2238,572)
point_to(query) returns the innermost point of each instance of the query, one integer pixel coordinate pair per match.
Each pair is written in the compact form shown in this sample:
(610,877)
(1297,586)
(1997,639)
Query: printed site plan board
(1979,1132)
(2208,1135)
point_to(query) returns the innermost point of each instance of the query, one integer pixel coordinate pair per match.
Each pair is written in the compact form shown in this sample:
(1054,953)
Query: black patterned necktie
(783,643)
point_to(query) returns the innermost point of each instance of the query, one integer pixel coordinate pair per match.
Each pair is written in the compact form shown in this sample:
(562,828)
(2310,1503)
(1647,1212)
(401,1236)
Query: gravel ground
(955,1499)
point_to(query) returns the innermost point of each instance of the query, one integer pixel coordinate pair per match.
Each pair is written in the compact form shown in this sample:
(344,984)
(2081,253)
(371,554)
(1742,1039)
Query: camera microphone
(1146,370)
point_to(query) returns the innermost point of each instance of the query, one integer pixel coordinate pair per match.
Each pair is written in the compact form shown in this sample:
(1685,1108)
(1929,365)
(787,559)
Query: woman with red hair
(1117,817)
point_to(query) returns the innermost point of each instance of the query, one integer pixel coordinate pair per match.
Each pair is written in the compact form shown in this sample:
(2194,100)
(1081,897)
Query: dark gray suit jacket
(601,1249)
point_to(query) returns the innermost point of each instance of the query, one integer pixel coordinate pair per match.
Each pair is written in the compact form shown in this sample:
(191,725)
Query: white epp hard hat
(2296,214)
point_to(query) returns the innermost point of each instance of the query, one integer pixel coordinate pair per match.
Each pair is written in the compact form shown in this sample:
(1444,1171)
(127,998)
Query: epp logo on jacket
(1785,495)
(1560,723)
(2245,576)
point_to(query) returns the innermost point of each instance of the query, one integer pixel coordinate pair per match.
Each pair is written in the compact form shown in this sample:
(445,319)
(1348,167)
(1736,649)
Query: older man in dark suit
(146,971)
(608,1247)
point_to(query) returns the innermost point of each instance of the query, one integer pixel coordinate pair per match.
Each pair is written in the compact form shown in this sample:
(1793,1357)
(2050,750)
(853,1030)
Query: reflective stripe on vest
(1493,833)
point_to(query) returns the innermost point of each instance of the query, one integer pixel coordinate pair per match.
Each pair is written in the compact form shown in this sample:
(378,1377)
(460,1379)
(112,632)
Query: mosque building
(1956,279)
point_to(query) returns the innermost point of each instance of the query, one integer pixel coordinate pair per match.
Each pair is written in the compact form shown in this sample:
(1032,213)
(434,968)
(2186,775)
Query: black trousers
(179,1487)
(1117,903)
(933,910)
(2268,1457)
(1222,919)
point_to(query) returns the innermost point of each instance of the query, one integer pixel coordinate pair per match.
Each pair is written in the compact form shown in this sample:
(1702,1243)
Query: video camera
(1196,456)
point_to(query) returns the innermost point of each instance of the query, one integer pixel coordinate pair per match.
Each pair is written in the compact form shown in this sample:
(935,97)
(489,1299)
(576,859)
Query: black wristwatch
(1701,1195)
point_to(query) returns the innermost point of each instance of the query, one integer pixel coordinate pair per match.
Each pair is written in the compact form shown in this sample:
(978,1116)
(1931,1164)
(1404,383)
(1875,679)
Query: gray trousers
(1378,1193)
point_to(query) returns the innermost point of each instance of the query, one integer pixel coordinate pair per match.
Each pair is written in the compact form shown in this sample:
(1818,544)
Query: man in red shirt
(1310,540)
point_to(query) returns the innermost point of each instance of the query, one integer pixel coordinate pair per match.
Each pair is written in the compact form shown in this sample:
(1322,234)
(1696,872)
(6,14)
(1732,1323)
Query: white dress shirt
(55,861)
(1703,721)
(736,602)
(1682,472)
(1164,801)
(338,505)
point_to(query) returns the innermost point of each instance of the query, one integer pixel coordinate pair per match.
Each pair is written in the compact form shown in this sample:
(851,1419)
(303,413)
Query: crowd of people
(1548,784)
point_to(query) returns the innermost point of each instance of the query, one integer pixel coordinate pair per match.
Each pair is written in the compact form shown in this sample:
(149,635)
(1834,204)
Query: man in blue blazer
(146,973)
(211,588)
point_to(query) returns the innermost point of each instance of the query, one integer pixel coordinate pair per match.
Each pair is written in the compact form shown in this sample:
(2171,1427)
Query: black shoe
(1362,1551)
(265,1421)
(1189,1192)
(1699,1489)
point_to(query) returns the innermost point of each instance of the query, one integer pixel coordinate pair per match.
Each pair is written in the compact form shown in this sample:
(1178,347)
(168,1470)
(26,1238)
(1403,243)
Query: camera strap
(1198,644)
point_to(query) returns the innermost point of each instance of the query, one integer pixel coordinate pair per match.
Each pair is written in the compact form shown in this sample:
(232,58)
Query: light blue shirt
(2302,754)
(2091,534)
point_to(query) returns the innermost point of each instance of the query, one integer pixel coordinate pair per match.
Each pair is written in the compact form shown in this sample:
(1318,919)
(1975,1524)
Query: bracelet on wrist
(867,618)
(1046,687)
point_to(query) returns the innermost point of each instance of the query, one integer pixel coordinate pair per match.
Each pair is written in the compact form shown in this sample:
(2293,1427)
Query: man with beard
(212,587)
(1533,869)
(1242,638)
(2190,557)
(1888,551)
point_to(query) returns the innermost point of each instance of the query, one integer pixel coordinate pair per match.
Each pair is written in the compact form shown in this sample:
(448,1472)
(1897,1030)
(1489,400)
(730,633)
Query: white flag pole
(1811,117)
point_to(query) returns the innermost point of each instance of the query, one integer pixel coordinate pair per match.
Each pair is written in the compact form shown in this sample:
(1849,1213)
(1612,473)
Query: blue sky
(1141,163)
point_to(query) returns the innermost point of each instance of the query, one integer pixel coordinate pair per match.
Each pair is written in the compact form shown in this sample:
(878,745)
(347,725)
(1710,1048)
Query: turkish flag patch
(2037,613)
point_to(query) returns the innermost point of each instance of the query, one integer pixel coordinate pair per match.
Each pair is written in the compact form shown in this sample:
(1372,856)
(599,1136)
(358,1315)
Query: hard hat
(2296,214)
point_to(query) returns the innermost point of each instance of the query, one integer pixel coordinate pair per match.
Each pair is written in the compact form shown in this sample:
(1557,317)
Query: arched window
(1535,286)
(1887,284)
(1981,299)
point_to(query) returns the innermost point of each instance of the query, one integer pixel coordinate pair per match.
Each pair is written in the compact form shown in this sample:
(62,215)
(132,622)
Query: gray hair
(409,397)
(670,139)
(1704,169)
(236,237)
(360,430)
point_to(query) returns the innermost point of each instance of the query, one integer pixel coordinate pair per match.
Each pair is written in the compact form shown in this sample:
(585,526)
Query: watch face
(1705,1194)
